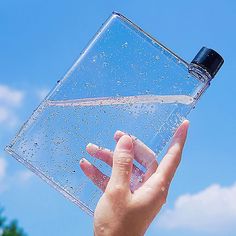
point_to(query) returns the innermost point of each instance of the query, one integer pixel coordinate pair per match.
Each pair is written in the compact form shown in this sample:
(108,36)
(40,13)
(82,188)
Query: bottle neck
(200,73)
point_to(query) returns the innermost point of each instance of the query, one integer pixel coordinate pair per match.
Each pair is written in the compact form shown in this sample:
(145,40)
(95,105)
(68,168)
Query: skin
(122,210)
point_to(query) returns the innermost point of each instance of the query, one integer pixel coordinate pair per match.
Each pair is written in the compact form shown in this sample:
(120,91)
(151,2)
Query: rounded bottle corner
(116,13)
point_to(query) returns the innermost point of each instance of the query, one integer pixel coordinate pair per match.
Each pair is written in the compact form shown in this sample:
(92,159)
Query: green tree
(10,229)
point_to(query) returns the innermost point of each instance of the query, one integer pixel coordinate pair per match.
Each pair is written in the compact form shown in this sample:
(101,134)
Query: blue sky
(40,40)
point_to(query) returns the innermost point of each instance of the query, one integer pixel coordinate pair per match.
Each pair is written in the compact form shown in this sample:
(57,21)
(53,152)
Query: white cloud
(10,99)
(9,96)
(24,176)
(3,166)
(8,181)
(8,117)
(213,209)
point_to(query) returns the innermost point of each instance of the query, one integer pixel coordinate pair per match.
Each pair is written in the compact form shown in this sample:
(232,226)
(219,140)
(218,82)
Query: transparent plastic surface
(124,80)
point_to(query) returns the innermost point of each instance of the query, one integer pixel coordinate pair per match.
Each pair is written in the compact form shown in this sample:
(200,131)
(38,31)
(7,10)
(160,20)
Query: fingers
(122,163)
(143,154)
(172,158)
(106,156)
(159,182)
(94,174)
(102,154)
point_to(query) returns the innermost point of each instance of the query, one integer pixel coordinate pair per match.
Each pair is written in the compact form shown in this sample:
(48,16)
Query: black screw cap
(209,60)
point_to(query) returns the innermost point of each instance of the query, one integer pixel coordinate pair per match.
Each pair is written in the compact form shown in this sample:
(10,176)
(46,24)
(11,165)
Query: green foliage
(10,229)
(2,219)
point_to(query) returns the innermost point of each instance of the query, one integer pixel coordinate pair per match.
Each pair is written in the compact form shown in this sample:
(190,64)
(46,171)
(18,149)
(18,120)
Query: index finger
(172,158)
(161,179)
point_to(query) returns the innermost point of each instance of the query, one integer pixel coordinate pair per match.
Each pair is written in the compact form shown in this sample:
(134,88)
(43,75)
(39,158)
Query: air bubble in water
(102,54)
(125,45)
(105,64)
(94,59)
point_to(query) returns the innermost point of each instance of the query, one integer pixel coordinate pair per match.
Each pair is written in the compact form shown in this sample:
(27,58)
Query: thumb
(122,162)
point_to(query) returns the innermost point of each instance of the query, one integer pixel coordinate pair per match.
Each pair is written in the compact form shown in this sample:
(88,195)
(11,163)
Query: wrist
(102,232)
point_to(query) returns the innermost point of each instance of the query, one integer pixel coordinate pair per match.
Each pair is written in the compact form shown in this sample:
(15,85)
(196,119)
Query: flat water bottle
(123,80)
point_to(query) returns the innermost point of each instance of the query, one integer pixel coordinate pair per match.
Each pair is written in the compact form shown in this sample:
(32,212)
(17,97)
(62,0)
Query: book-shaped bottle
(123,80)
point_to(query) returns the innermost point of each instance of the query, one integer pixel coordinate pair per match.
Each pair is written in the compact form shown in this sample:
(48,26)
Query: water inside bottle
(130,100)
(65,127)
(137,115)
(97,119)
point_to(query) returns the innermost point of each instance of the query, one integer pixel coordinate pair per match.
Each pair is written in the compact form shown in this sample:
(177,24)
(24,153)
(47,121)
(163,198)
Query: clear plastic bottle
(123,80)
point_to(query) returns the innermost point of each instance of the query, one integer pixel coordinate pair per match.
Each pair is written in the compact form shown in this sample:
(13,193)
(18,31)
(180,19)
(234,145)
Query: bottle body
(124,80)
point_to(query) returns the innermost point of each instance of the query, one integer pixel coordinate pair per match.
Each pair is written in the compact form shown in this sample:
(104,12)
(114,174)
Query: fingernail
(187,121)
(181,131)
(119,131)
(118,134)
(125,143)
(89,145)
(92,148)
(82,161)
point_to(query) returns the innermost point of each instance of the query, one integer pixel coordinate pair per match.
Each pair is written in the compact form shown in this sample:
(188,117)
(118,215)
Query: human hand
(119,211)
